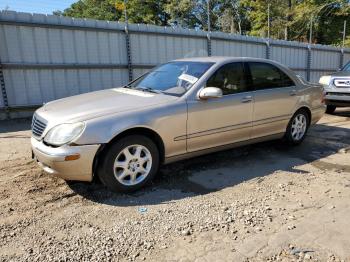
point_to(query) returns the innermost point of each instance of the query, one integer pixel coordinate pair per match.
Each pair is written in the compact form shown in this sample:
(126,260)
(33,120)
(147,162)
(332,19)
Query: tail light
(323,98)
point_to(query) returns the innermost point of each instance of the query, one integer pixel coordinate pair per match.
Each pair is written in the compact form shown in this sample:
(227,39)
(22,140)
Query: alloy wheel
(299,126)
(132,165)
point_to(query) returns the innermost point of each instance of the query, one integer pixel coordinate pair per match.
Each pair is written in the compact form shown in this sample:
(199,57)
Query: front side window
(173,78)
(230,78)
(266,76)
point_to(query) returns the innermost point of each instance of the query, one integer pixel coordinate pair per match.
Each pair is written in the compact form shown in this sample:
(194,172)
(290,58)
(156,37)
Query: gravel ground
(264,202)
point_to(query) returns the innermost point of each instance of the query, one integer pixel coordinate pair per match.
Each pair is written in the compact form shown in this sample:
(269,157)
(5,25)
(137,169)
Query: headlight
(64,133)
(325,80)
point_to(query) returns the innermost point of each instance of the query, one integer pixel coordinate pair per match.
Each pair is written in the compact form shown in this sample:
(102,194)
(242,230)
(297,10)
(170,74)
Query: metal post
(208,44)
(208,34)
(308,62)
(344,33)
(310,36)
(268,49)
(268,21)
(341,58)
(268,33)
(309,54)
(127,39)
(208,14)
(3,92)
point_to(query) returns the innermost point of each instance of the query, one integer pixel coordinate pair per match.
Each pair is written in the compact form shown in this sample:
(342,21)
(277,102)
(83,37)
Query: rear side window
(230,78)
(266,76)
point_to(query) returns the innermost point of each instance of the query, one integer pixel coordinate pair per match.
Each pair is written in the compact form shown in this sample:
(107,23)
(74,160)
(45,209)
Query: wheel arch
(307,110)
(143,131)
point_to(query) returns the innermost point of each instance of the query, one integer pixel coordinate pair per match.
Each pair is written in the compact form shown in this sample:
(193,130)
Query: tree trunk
(232,25)
(289,2)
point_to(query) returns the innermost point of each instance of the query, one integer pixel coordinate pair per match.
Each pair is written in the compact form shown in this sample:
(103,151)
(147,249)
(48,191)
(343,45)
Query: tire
(330,109)
(297,127)
(121,171)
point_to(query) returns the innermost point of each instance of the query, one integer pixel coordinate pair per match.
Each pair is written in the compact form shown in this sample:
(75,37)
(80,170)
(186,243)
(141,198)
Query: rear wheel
(330,109)
(297,127)
(129,164)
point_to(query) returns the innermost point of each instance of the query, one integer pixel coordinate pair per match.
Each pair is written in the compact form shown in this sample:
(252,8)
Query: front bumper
(337,99)
(54,160)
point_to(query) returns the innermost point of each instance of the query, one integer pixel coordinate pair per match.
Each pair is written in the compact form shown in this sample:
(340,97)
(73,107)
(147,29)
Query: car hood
(100,103)
(341,73)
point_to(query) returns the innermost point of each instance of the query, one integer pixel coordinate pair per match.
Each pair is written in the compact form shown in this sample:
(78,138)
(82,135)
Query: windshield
(346,67)
(173,78)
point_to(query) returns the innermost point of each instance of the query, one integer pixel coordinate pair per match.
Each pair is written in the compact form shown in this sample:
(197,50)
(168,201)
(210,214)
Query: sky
(35,6)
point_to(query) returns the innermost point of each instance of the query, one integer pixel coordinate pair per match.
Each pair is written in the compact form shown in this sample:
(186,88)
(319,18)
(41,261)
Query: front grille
(342,83)
(38,126)
(337,94)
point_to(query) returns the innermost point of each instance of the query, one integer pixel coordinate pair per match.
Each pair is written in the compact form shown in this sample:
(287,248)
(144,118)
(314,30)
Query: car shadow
(7,126)
(217,171)
(345,112)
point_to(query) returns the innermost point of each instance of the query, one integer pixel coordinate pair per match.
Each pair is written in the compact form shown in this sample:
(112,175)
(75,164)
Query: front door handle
(293,92)
(246,99)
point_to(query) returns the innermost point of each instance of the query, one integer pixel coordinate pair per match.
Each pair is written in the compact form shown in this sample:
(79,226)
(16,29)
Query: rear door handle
(246,99)
(293,92)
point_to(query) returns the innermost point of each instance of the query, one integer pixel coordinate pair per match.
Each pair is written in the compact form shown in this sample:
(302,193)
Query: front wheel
(297,127)
(330,109)
(129,164)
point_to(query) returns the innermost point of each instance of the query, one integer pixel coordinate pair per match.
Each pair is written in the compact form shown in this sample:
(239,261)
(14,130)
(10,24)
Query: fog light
(72,157)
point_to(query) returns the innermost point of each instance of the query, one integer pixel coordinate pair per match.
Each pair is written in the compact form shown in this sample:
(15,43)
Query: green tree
(327,16)
(181,13)
(146,11)
(95,9)
(289,19)
(232,17)
(257,13)
(139,11)
(193,13)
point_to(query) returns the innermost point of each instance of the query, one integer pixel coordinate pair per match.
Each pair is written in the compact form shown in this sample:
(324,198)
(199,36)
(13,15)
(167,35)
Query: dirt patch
(260,202)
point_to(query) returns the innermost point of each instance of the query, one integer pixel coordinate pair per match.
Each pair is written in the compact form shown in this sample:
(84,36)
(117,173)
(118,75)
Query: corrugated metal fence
(45,57)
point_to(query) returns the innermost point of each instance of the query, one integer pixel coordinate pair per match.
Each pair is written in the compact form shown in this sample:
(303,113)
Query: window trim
(250,78)
(245,74)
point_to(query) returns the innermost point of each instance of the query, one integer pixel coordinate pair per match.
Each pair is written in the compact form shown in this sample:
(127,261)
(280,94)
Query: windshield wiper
(148,89)
(151,90)
(145,89)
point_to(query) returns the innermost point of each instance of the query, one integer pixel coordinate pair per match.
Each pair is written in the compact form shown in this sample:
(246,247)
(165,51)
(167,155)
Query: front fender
(167,121)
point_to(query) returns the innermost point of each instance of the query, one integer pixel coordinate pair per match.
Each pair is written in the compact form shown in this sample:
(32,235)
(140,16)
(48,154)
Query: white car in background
(337,89)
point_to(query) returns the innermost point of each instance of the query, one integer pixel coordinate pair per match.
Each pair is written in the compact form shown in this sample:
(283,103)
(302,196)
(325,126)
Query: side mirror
(210,92)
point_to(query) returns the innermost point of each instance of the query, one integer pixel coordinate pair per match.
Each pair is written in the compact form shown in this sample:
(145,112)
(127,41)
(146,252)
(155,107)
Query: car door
(275,98)
(219,121)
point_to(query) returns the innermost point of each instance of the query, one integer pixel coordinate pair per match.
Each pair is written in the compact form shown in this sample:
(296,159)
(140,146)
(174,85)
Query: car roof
(222,59)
